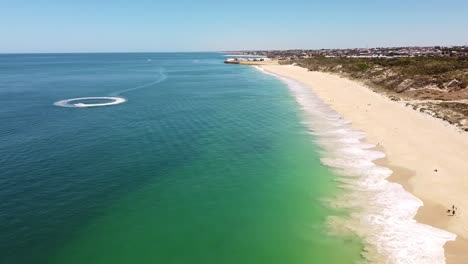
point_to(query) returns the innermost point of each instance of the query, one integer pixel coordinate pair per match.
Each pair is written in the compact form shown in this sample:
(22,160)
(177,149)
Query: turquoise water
(205,163)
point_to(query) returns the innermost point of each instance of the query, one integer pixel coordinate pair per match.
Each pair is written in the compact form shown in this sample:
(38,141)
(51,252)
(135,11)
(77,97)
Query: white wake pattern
(69,102)
(162,78)
(114,99)
(383,211)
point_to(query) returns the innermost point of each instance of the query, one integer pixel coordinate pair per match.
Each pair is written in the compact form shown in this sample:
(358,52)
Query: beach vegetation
(440,72)
(440,84)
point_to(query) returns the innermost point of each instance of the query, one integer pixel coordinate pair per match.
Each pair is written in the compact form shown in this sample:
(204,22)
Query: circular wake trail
(69,102)
(114,98)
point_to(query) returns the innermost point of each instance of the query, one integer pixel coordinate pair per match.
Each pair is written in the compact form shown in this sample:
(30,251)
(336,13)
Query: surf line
(385,218)
(114,98)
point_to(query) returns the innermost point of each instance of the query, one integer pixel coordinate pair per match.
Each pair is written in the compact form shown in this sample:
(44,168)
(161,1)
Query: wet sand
(428,156)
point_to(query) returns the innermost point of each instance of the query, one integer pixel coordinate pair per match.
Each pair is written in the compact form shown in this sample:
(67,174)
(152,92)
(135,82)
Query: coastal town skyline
(374,52)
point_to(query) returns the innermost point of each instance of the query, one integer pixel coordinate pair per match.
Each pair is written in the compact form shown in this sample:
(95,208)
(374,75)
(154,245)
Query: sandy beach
(428,157)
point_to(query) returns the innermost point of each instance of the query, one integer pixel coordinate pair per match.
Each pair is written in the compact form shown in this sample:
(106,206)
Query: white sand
(411,140)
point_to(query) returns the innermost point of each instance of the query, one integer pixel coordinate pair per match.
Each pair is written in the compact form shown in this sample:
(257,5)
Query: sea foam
(69,102)
(385,217)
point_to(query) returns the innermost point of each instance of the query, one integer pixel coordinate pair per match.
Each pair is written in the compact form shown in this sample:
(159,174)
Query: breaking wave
(383,212)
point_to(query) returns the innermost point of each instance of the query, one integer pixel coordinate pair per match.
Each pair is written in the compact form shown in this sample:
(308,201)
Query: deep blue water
(201,155)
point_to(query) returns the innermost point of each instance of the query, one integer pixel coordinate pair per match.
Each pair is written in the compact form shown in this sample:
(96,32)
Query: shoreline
(432,172)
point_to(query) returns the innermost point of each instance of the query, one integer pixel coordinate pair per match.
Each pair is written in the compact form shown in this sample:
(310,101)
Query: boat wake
(69,102)
(383,212)
(114,98)
(162,78)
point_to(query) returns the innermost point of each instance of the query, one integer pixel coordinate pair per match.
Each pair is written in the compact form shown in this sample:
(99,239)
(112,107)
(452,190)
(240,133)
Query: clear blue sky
(207,25)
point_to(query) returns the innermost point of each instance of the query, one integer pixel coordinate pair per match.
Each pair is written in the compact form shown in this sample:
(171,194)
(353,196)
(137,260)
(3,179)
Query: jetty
(250,61)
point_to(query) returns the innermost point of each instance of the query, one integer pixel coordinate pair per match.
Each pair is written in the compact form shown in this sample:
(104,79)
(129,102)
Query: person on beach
(453,210)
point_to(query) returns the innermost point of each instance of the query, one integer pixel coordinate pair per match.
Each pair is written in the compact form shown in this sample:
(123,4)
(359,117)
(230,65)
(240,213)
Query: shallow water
(382,212)
(205,163)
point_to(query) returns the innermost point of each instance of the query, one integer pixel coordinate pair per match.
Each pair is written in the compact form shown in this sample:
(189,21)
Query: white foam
(386,217)
(69,102)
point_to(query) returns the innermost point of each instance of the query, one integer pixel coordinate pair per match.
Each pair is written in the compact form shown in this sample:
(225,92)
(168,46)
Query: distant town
(393,52)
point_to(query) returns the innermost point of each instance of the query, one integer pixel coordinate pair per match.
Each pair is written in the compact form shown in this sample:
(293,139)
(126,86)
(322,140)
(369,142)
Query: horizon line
(225,51)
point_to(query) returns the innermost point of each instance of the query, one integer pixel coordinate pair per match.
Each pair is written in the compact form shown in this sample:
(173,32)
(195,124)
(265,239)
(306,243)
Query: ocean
(196,162)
